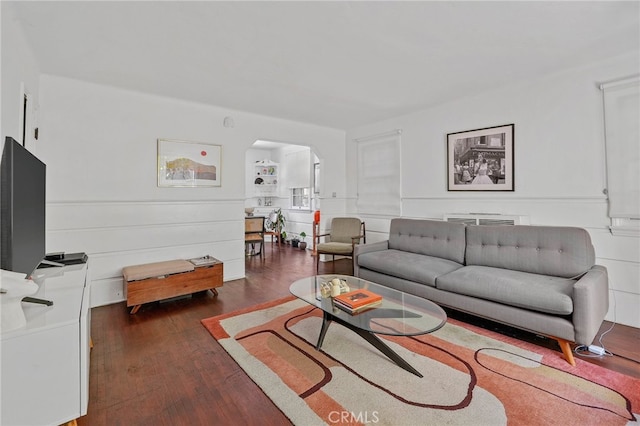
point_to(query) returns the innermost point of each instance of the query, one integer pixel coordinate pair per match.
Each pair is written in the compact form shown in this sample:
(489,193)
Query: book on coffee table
(356,311)
(357,300)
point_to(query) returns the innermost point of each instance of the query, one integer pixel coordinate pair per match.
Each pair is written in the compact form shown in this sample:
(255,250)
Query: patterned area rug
(471,375)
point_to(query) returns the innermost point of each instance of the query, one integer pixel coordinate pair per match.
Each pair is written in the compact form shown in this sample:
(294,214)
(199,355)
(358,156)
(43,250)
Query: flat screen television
(22,206)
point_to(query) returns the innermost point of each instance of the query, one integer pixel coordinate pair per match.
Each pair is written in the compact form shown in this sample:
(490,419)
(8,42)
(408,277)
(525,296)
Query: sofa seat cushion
(409,266)
(156,269)
(542,293)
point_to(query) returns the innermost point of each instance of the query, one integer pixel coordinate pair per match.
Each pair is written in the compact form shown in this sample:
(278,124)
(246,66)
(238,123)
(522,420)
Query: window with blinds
(298,168)
(379,174)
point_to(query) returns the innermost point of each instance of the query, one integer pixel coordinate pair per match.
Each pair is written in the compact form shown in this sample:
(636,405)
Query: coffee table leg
(326,320)
(369,337)
(382,347)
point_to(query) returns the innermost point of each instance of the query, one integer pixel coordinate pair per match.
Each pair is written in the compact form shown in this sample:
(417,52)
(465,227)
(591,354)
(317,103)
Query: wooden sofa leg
(566,350)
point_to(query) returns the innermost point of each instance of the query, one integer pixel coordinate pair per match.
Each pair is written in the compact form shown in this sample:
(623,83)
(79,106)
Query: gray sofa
(538,278)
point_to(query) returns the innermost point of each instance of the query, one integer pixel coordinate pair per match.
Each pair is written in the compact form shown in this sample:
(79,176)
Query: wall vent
(486,219)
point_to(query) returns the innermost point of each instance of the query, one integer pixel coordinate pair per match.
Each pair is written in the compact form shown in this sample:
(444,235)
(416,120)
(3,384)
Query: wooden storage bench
(152,282)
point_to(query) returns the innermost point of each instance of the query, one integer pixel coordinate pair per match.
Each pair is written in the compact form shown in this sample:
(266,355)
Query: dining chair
(254,233)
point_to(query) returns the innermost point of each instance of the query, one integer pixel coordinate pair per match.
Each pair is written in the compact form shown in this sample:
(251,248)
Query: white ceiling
(336,64)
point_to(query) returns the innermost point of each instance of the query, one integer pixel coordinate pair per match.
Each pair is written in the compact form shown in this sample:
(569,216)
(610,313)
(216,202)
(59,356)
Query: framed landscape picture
(190,164)
(481,159)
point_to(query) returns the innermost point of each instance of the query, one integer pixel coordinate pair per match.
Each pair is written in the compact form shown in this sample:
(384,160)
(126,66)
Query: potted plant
(276,222)
(303,244)
(295,241)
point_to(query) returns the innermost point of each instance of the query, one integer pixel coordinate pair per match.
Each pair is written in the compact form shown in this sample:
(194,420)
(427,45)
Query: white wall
(99,144)
(19,75)
(559,165)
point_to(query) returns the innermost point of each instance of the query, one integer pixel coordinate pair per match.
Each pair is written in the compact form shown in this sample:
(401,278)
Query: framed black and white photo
(481,159)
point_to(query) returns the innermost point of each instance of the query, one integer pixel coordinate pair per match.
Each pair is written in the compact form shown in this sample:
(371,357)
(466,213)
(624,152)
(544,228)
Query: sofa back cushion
(429,237)
(547,250)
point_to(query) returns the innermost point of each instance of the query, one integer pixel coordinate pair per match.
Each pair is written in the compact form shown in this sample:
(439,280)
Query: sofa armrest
(590,304)
(359,249)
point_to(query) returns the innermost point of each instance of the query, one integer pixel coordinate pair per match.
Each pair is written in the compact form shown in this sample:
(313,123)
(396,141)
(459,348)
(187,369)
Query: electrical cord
(584,352)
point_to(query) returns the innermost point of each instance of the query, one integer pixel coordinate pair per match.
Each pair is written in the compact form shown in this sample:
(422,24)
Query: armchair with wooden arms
(345,233)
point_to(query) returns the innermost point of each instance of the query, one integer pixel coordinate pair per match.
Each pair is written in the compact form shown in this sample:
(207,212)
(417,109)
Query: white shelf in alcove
(266,175)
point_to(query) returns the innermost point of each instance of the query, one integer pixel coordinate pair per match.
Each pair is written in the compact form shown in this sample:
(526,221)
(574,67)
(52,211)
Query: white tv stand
(45,365)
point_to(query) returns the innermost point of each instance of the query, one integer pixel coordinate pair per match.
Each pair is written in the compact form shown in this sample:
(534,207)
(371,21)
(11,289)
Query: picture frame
(481,159)
(188,164)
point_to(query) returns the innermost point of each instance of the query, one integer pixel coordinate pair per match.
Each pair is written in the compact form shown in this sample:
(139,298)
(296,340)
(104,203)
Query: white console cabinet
(45,365)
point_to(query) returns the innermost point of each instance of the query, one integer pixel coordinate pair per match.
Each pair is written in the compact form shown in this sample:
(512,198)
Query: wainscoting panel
(621,256)
(107,291)
(615,247)
(624,277)
(106,240)
(144,232)
(623,309)
(81,215)
(590,212)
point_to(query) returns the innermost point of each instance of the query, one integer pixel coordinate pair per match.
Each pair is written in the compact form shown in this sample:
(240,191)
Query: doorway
(283,176)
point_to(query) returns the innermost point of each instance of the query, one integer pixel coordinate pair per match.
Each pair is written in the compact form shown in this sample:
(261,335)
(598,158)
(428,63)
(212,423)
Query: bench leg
(135,309)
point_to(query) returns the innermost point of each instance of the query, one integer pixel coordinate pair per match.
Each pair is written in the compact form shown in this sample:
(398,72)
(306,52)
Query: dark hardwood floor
(161,367)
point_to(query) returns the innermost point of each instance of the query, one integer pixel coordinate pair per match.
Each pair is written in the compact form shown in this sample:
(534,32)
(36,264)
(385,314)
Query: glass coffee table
(400,314)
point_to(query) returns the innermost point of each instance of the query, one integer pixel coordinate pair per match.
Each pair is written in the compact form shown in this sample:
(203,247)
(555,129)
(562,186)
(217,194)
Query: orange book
(356,311)
(357,298)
